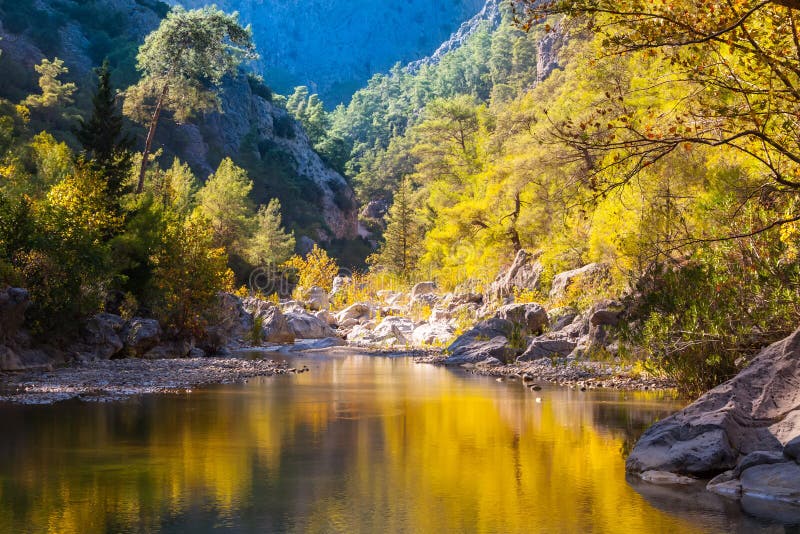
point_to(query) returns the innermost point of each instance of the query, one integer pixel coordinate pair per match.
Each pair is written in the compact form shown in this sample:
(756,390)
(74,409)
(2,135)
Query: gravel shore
(118,379)
(567,373)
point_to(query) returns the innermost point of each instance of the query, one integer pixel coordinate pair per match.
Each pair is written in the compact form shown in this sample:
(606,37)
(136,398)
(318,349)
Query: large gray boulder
(390,331)
(274,325)
(100,337)
(141,335)
(777,481)
(531,318)
(758,410)
(306,326)
(487,339)
(524,274)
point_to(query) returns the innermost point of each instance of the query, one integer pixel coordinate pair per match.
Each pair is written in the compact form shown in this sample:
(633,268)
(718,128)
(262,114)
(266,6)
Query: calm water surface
(359,444)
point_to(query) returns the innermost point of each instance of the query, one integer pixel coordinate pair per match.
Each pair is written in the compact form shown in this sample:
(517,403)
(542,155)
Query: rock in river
(758,410)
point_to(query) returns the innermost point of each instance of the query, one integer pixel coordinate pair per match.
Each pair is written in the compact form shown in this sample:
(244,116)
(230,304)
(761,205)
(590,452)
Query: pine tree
(104,143)
(270,243)
(400,251)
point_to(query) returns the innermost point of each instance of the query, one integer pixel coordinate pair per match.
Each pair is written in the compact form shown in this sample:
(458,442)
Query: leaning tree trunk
(148,145)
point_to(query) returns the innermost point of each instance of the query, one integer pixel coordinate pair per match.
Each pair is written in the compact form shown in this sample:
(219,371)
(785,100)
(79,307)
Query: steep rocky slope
(335,46)
(255,133)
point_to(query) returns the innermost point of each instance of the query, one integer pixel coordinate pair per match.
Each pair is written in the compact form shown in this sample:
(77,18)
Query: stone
(141,335)
(560,318)
(274,325)
(399,328)
(325,315)
(780,482)
(432,333)
(531,317)
(666,478)
(792,449)
(757,410)
(489,362)
(306,326)
(422,288)
(758,458)
(592,273)
(100,337)
(486,339)
(316,299)
(545,348)
(726,484)
(358,312)
(390,331)
(524,274)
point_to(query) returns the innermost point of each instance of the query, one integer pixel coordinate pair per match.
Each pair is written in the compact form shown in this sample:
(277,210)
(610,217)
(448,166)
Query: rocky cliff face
(246,126)
(335,46)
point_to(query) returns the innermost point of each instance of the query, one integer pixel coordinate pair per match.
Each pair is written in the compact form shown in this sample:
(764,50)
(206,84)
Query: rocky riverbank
(583,375)
(113,380)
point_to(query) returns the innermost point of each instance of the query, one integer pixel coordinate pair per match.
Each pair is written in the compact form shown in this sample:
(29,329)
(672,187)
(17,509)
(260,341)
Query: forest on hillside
(662,146)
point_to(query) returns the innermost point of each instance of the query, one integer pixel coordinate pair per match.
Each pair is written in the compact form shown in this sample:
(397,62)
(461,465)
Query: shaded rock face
(547,348)
(524,274)
(100,337)
(758,410)
(249,129)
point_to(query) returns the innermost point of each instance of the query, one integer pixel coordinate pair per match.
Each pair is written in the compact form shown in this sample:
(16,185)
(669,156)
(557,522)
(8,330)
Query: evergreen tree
(105,145)
(270,244)
(400,251)
(182,65)
(224,201)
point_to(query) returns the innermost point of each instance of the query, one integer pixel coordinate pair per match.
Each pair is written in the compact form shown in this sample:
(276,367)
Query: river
(358,444)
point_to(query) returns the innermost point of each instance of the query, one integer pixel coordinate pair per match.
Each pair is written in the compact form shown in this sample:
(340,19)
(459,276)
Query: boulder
(758,410)
(779,482)
(291,306)
(531,317)
(14,301)
(141,335)
(422,288)
(792,449)
(358,312)
(325,315)
(546,348)
(232,322)
(306,326)
(316,299)
(274,326)
(433,333)
(100,337)
(560,318)
(524,274)
(593,273)
(758,458)
(390,331)
(487,339)
(169,350)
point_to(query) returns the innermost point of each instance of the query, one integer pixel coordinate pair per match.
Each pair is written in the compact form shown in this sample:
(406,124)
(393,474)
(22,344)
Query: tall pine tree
(106,147)
(402,239)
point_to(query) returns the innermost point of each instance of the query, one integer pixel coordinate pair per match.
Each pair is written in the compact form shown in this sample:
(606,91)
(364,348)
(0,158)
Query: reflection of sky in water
(358,444)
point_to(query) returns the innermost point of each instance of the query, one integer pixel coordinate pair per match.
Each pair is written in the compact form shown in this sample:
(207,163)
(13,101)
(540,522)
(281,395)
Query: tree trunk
(148,145)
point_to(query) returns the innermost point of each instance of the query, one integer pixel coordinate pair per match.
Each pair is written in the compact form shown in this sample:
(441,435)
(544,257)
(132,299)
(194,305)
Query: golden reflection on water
(357,445)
